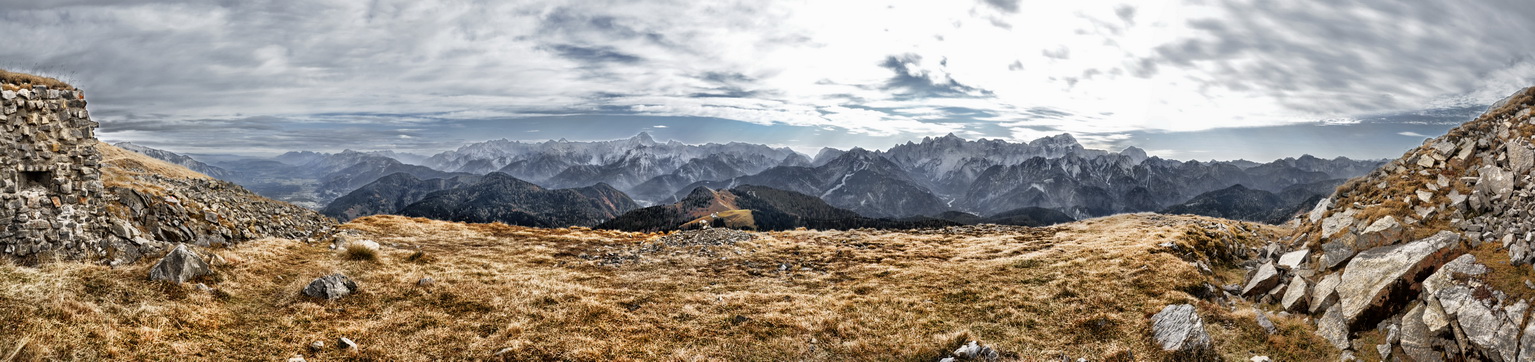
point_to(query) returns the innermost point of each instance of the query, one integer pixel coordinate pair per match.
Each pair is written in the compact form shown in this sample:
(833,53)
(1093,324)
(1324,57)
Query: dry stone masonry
(61,200)
(50,184)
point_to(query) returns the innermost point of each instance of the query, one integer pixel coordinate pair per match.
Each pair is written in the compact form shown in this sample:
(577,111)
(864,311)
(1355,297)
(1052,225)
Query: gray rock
(1325,294)
(1492,330)
(1494,182)
(345,343)
(1415,339)
(1320,209)
(1385,231)
(1442,278)
(1338,221)
(1520,156)
(1262,281)
(1294,259)
(426,282)
(1264,322)
(975,351)
(1333,328)
(1373,274)
(1336,252)
(1296,296)
(1527,343)
(1179,328)
(179,266)
(331,287)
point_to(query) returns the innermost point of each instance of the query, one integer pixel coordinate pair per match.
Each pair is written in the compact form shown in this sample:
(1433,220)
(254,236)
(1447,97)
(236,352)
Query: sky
(1207,79)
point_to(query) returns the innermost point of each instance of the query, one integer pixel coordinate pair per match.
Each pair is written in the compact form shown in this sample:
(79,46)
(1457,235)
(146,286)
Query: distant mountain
(181,160)
(1114,183)
(858,180)
(313,179)
(368,170)
(709,168)
(949,164)
(1235,202)
(623,164)
(752,208)
(498,197)
(1241,203)
(826,155)
(389,194)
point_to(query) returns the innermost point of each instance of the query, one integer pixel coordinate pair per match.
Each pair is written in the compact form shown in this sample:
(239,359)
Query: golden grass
(1085,289)
(28,80)
(124,168)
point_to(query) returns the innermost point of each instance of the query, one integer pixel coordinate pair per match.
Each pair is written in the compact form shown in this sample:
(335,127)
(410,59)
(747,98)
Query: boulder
(1337,222)
(1442,278)
(179,266)
(1385,231)
(1333,328)
(1264,322)
(1415,340)
(1520,156)
(1262,281)
(1527,343)
(1325,294)
(1373,275)
(1336,252)
(1294,259)
(1296,296)
(331,287)
(1494,182)
(1493,331)
(1178,328)
(1320,209)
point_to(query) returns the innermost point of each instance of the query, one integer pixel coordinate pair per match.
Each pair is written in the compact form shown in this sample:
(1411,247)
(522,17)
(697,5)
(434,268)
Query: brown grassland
(1085,289)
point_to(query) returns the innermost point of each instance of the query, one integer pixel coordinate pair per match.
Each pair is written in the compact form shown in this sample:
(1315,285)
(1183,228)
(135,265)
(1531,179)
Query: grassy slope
(1084,289)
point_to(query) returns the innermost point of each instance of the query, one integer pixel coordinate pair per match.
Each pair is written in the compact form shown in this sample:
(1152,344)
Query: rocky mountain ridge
(1426,258)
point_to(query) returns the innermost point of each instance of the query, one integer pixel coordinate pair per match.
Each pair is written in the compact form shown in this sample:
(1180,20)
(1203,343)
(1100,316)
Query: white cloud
(1094,68)
(1412,134)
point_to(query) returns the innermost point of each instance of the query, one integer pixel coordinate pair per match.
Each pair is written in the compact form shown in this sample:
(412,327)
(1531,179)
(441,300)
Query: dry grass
(124,168)
(28,80)
(1085,289)
(359,252)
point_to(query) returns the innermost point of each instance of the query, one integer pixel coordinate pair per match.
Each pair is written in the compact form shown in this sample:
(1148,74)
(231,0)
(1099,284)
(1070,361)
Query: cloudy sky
(1208,79)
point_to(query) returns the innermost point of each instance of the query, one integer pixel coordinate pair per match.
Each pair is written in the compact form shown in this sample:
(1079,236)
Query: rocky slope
(155,205)
(178,159)
(1425,258)
(498,197)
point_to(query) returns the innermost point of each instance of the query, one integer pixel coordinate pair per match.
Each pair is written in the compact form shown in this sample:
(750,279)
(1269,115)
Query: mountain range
(915,180)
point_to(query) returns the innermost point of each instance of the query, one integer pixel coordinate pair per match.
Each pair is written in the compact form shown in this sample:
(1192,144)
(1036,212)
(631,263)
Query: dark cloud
(1125,13)
(1010,6)
(910,80)
(594,54)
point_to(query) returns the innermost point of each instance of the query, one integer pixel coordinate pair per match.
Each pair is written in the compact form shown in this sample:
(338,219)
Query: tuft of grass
(359,252)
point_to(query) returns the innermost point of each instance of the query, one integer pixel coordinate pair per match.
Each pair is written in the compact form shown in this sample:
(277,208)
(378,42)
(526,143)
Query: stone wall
(50,182)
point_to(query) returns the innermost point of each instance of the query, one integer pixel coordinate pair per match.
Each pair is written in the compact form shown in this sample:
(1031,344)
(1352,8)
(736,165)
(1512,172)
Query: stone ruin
(50,181)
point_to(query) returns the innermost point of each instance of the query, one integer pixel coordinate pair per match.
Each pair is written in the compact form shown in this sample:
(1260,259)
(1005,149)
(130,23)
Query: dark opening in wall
(30,179)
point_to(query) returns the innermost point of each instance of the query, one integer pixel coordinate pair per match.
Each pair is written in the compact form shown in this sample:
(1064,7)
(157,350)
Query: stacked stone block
(50,180)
